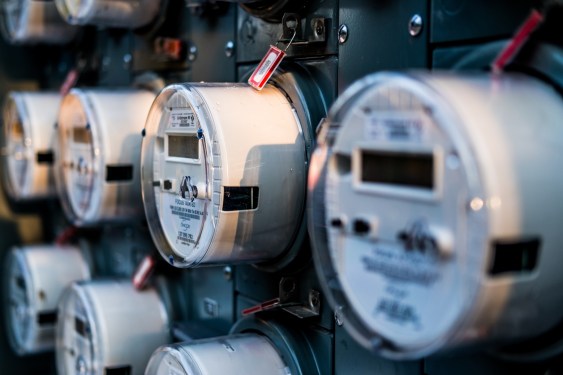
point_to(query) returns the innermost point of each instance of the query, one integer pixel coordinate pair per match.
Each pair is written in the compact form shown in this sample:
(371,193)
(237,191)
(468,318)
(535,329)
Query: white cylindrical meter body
(97,165)
(247,353)
(109,326)
(34,21)
(129,14)
(29,131)
(34,280)
(223,174)
(442,210)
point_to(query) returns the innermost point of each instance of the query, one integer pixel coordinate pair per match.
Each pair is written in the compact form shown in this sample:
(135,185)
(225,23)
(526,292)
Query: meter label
(182,219)
(395,126)
(182,118)
(401,283)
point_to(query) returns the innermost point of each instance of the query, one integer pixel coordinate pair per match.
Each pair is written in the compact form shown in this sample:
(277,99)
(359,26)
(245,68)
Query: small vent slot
(118,370)
(80,327)
(240,198)
(45,157)
(49,318)
(515,256)
(117,173)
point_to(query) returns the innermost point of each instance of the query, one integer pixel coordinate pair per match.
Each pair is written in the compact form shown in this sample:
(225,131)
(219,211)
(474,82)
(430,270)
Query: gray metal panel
(210,35)
(350,358)
(456,20)
(255,35)
(479,363)
(379,38)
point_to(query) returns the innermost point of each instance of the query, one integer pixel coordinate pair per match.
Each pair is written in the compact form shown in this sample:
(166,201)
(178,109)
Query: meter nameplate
(182,220)
(395,126)
(183,118)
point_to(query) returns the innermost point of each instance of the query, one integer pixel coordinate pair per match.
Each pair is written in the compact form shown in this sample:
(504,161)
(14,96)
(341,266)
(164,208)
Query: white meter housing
(34,21)
(129,14)
(97,165)
(35,278)
(223,174)
(29,132)
(442,210)
(248,353)
(108,327)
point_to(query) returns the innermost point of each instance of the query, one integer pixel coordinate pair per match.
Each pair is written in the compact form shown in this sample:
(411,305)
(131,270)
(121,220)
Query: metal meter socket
(129,14)
(436,207)
(97,166)
(109,326)
(34,21)
(223,174)
(29,133)
(35,278)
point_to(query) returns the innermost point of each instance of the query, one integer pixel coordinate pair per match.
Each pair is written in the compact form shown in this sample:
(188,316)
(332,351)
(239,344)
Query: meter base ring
(291,344)
(310,106)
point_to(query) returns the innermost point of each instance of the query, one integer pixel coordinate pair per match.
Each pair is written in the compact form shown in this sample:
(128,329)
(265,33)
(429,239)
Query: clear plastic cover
(415,200)
(112,13)
(223,174)
(29,131)
(248,353)
(108,325)
(97,168)
(34,21)
(35,279)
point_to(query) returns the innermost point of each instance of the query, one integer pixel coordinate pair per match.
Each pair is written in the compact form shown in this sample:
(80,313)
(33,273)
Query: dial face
(79,160)
(76,353)
(18,149)
(181,175)
(20,313)
(394,225)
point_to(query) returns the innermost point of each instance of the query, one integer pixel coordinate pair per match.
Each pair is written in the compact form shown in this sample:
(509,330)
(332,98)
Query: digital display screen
(395,168)
(183,146)
(81,135)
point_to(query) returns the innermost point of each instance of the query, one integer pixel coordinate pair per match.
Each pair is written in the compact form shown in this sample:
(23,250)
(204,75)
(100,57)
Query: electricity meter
(129,14)
(29,120)
(108,327)
(438,223)
(223,173)
(97,168)
(35,277)
(248,353)
(34,21)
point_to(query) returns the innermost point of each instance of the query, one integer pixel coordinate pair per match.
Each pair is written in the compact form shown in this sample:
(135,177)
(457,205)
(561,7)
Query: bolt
(127,59)
(342,34)
(192,53)
(338,316)
(228,273)
(319,27)
(415,25)
(229,48)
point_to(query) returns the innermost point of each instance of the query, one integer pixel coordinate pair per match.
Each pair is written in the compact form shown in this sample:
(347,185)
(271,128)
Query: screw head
(342,34)
(192,53)
(319,27)
(228,272)
(229,48)
(415,25)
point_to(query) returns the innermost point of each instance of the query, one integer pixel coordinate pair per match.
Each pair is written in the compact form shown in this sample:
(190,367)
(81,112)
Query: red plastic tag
(143,272)
(69,82)
(516,43)
(266,68)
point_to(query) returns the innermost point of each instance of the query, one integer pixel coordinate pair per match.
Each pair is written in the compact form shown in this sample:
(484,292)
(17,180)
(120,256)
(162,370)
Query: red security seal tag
(266,68)
(144,270)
